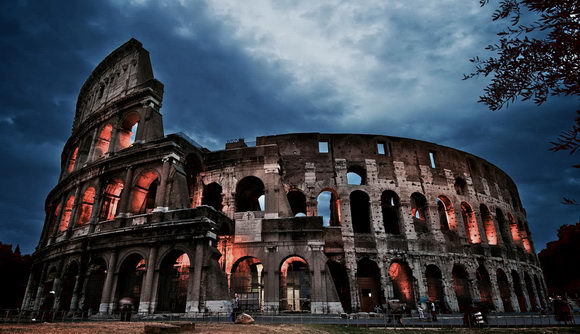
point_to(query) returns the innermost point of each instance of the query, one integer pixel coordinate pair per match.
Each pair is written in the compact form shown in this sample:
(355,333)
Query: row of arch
(85,291)
(141,199)
(107,140)
(250,197)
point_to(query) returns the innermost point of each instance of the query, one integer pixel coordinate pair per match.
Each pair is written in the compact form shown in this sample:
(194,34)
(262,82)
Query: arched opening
(519,291)
(515,232)
(340,279)
(460,186)
(103,141)
(173,282)
(328,207)
(130,279)
(72,160)
(248,193)
(86,206)
(524,236)
(461,287)
(502,226)
(144,193)
(390,206)
(356,175)
(540,291)
(419,211)
(193,166)
(360,211)
(128,130)
(247,283)
(110,201)
(488,225)
(297,201)
(212,196)
(369,283)
(446,213)
(403,283)
(470,224)
(68,285)
(295,285)
(66,214)
(531,293)
(435,291)
(504,291)
(484,286)
(96,275)
(83,152)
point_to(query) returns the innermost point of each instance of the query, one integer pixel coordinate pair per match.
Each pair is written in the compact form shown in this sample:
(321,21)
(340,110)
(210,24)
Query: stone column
(351,270)
(271,283)
(146,291)
(126,194)
(514,297)
(418,273)
(194,302)
(160,198)
(114,136)
(107,295)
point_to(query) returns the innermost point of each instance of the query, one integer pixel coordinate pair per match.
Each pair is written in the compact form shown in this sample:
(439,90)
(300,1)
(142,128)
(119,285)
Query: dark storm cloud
(232,73)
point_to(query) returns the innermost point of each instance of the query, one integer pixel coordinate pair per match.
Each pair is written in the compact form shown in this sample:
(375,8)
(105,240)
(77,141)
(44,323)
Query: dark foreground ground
(214,328)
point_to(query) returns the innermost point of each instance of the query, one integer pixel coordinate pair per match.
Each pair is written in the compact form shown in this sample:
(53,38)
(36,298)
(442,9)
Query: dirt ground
(216,328)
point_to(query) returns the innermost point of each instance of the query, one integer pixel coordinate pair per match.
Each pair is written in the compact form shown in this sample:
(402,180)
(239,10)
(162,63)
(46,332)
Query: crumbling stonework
(307,222)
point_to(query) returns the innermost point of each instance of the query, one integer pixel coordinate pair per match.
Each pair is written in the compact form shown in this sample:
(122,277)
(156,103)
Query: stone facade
(310,222)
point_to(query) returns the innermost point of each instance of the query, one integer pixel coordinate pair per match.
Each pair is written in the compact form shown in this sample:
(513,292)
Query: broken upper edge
(124,72)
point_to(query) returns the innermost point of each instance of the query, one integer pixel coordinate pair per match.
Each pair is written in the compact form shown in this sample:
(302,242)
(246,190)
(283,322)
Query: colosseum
(302,222)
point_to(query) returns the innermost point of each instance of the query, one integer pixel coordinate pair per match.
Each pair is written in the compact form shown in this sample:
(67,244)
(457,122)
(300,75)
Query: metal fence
(512,320)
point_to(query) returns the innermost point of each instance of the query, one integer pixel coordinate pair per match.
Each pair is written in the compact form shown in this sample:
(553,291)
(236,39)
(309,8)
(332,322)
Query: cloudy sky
(236,69)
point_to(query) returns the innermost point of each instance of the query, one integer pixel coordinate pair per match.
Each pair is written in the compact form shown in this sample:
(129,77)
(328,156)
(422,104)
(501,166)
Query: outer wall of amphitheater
(305,222)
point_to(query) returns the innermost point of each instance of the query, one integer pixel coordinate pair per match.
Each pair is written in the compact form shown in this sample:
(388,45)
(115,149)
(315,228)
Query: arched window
(212,196)
(66,214)
(419,211)
(103,141)
(460,186)
(144,193)
(297,202)
(86,207)
(488,225)
(54,218)
(446,213)
(390,206)
(128,130)
(340,279)
(531,292)
(524,235)
(110,201)
(356,175)
(249,194)
(68,283)
(360,210)
(95,281)
(72,160)
(470,223)
(328,207)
